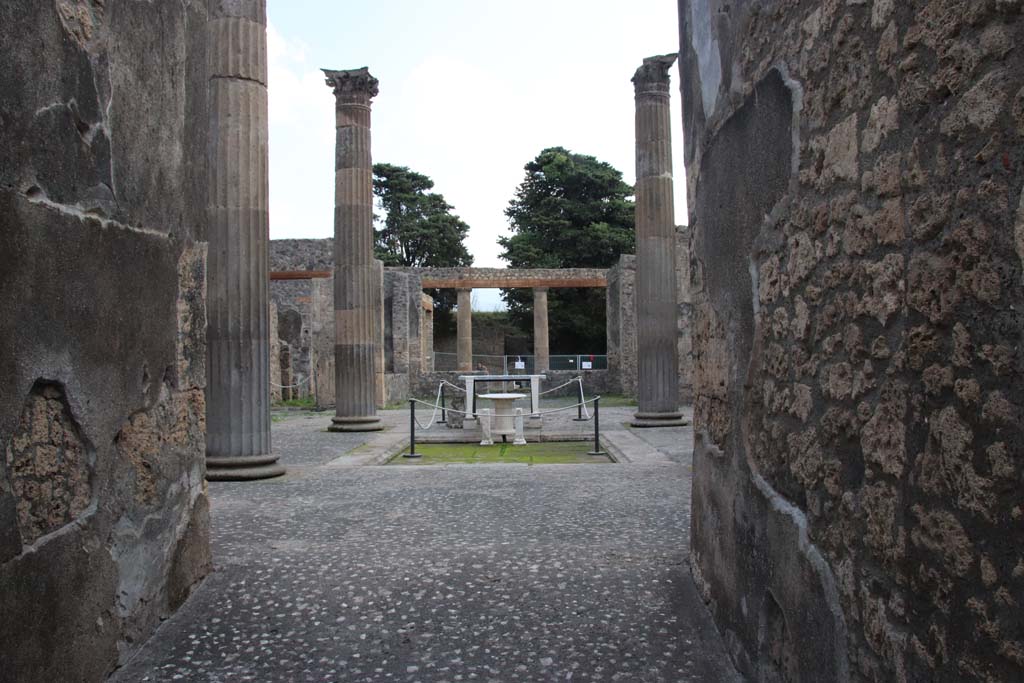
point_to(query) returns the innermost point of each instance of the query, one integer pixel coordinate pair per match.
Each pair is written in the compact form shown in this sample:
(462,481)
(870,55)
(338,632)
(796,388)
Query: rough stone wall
(321,382)
(308,254)
(856,200)
(103,510)
(685,343)
(276,384)
(296,307)
(621,316)
(489,333)
(293,300)
(426,335)
(398,324)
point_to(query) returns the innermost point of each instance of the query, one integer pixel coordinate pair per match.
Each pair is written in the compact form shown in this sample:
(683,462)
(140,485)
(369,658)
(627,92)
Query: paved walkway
(342,572)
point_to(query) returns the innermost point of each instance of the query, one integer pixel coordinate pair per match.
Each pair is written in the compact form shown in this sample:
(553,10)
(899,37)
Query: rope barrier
(585,411)
(561,386)
(539,412)
(453,386)
(433,416)
(289,386)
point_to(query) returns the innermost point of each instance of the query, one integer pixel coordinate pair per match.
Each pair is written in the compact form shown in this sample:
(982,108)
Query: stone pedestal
(657,311)
(464,357)
(238,333)
(541,354)
(357,285)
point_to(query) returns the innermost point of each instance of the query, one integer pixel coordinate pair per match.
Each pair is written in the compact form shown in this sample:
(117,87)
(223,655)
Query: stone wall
(305,319)
(103,514)
(321,362)
(621,321)
(489,333)
(685,343)
(296,308)
(855,186)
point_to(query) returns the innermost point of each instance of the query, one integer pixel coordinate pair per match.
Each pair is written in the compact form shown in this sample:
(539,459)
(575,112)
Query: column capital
(541,289)
(653,76)
(355,86)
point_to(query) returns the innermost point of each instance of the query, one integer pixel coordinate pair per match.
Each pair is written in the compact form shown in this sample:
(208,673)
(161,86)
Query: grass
(617,402)
(306,402)
(553,453)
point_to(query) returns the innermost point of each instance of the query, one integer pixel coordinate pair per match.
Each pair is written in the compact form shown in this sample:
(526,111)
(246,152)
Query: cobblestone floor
(458,573)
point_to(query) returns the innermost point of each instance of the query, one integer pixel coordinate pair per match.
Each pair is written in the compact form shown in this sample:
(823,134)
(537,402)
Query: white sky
(470,91)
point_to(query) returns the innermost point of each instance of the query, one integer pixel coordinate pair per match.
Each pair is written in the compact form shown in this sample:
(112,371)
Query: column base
(645,420)
(368,423)
(245,468)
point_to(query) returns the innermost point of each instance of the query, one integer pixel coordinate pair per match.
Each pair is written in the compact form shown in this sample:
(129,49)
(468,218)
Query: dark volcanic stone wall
(103,512)
(854,175)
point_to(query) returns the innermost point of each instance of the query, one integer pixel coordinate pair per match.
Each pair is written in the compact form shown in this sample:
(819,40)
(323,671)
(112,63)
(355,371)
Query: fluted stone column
(238,333)
(658,360)
(541,352)
(464,358)
(357,282)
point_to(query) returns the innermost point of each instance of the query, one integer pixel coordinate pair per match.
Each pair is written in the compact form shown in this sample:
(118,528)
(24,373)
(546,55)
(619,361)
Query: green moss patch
(547,453)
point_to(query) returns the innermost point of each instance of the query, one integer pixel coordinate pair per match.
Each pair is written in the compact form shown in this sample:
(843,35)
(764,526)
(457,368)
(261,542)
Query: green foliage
(570,211)
(418,228)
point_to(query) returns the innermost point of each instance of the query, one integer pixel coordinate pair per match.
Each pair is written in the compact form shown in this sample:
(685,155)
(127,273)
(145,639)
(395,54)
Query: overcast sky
(470,91)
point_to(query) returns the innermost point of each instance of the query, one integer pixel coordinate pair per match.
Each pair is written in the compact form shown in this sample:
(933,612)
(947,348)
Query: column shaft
(464,359)
(238,335)
(541,352)
(357,287)
(657,308)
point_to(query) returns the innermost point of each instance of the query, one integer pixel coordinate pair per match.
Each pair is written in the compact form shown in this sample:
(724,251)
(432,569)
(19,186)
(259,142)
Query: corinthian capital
(653,74)
(352,84)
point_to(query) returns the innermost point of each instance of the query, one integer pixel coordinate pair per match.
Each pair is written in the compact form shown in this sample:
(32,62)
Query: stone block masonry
(104,525)
(854,182)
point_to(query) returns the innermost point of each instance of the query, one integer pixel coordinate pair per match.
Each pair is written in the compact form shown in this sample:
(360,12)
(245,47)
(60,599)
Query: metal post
(444,415)
(412,431)
(579,404)
(597,428)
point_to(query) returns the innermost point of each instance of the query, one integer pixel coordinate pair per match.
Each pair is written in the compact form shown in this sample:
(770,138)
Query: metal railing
(522,364)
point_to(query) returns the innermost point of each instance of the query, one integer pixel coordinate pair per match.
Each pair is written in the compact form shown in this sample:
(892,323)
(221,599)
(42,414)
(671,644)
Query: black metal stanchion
(597,428)
(444,415)
(579,404)
(412,431)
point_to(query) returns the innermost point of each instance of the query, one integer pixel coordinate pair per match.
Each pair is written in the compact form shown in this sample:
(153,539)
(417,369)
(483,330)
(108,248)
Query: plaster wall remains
(854,183)
(104,526)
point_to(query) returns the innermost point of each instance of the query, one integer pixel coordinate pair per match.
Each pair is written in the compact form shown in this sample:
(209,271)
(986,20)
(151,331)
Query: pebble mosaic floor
(460,573)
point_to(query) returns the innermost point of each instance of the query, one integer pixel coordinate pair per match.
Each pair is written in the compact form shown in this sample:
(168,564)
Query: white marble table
(471,380)
(503,420)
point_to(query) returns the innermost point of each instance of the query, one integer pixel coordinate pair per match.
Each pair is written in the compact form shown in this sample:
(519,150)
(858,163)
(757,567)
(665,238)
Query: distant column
(541,354)
(465,330)
(238,332)
(657,356)
(357,285)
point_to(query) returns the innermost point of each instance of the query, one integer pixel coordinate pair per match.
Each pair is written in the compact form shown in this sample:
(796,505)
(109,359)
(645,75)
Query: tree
(570,211)
(418,228)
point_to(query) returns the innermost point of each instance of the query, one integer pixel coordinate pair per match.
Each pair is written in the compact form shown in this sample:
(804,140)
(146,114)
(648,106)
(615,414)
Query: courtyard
(343,570)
